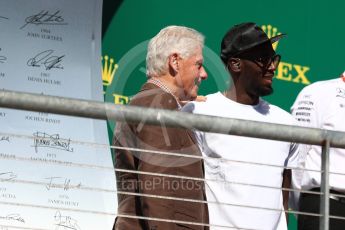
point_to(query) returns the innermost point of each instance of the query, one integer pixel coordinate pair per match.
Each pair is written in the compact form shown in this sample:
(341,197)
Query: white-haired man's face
(190,74)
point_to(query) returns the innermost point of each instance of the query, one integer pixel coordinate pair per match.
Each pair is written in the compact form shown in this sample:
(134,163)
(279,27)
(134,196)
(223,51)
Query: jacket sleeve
(126,181)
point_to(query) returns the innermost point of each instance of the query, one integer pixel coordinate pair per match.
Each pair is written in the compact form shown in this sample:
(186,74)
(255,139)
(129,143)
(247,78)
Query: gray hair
(171,39)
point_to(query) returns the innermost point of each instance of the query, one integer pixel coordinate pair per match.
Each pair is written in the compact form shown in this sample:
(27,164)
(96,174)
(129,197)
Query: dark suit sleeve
(126,182)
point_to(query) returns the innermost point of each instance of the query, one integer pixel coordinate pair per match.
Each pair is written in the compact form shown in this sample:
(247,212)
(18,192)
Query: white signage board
(52,174)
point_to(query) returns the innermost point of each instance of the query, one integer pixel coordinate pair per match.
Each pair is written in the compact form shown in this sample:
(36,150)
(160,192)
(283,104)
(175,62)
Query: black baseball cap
(243,37)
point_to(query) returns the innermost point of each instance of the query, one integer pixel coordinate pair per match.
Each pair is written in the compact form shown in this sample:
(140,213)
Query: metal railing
(108,111)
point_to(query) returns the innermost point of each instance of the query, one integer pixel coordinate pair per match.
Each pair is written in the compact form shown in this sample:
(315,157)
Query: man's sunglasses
(265,62)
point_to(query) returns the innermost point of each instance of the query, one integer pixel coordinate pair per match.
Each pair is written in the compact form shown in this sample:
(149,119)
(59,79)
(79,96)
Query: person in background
(320,105)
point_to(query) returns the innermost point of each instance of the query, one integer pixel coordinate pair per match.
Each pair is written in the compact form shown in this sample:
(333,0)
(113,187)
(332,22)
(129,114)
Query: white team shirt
(225,156)
(320,105)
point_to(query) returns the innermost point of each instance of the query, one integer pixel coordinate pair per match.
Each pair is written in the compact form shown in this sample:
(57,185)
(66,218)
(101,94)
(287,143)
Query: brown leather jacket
(158,138)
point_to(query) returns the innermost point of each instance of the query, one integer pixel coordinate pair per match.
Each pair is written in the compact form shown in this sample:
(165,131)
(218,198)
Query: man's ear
(234,64)
(174,62)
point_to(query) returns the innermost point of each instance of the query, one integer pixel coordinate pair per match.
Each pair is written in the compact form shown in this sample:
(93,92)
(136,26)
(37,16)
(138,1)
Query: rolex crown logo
(108,70)
(271,32)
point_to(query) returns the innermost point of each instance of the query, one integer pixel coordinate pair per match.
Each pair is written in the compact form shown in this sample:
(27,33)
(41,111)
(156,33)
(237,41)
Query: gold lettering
(284,71)
(120,99)
(301,70)
(287,72)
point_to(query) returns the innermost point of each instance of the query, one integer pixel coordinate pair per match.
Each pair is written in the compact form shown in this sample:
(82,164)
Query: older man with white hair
(175,70)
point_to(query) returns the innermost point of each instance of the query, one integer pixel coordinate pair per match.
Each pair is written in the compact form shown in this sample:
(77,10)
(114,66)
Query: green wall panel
(314,49)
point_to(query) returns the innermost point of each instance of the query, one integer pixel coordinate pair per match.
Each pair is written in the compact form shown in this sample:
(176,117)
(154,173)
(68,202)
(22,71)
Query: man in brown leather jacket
(175,70)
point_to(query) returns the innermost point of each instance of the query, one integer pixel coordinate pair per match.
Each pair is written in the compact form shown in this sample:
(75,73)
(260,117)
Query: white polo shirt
(227,154)
(320,105)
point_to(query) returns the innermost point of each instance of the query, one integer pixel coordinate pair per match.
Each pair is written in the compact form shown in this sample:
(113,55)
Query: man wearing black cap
(245,175)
